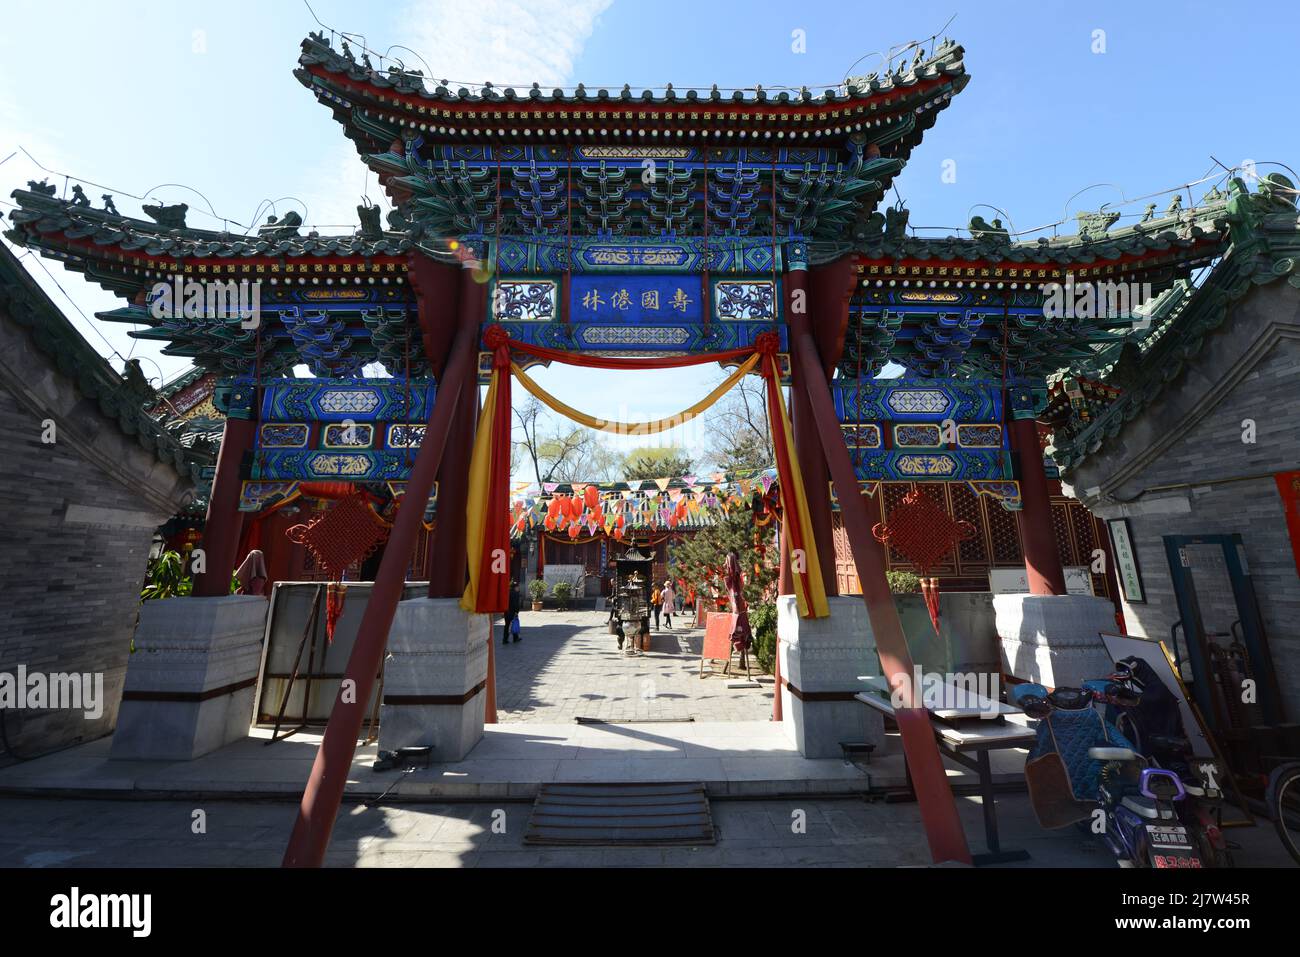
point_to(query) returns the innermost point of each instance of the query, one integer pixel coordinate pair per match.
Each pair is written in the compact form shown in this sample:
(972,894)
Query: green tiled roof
(68,352)
(1265,248)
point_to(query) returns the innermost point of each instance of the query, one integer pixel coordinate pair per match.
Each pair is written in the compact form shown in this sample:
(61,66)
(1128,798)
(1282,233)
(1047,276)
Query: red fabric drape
(494,561)
(1288,487)
(784,468)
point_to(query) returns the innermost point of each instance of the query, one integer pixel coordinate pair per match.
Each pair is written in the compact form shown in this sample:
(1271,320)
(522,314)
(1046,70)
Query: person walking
(669,599)
(655,600)
(512,615)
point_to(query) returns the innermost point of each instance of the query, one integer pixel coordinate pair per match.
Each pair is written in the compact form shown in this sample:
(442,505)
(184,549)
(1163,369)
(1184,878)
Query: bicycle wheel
(1284,804)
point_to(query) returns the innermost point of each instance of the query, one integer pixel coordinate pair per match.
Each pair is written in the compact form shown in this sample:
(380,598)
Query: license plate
(1173,836)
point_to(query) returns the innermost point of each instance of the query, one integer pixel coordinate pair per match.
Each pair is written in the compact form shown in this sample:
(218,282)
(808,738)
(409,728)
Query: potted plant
(563,591)
(537,592)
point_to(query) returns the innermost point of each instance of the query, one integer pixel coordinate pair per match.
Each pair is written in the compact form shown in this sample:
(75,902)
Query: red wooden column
(329,773)
(809,457)
(1037,535)
(448,557)
(224,521)
(934,793)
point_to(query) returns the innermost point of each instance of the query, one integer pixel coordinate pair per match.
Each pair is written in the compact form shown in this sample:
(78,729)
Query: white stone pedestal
(821,659)
(191,681)
(435,678)
(1054,639)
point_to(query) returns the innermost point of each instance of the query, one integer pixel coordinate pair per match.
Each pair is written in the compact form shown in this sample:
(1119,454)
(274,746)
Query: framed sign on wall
(1126,562)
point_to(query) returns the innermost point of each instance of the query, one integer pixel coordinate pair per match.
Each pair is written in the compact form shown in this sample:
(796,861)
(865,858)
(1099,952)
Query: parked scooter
(1111,784)
(1146,712)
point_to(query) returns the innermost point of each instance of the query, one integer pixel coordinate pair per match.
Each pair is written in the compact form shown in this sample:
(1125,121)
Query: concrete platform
(732,759)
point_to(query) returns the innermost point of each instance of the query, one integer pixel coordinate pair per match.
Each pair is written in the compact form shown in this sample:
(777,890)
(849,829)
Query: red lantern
(592,496)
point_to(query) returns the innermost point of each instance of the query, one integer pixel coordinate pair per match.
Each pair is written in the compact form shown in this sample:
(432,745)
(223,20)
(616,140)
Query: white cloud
(506,42)
(503,41)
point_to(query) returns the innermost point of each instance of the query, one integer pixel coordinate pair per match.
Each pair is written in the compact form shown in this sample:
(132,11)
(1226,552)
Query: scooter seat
(1143,806)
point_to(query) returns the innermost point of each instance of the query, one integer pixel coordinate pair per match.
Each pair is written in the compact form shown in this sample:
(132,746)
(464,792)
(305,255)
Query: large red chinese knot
(923,533)
(343,536)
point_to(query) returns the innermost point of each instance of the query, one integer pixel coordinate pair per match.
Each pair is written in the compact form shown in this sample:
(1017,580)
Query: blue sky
(140,93)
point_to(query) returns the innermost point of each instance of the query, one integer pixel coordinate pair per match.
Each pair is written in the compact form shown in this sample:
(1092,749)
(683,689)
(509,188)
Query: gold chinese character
(650,299)
(620,299)
(680,300)
(592,301)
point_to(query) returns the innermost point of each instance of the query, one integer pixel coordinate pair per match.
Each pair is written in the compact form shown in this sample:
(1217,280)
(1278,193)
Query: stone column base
(1054,640)
(191,681)
(435,678)
(821,660)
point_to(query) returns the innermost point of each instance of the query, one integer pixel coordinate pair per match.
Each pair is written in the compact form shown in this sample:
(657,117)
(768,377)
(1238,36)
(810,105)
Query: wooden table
(967,727)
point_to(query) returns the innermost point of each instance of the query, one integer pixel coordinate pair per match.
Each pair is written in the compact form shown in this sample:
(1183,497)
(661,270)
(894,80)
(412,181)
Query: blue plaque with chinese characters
(650,300)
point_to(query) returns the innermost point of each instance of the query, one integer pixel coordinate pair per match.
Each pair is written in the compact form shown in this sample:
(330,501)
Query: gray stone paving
(568,666)
(838,833)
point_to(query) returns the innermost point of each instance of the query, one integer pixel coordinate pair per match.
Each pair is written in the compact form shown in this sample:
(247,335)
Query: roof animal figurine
(79,196)
(136,383)
(1095,225)
(994,232)
(109,207)
(173,217)
(873,230)
(371,224)
(285,228)
(1176,206)
(1278,192)
(1149,213)
(44,187)
(896,224)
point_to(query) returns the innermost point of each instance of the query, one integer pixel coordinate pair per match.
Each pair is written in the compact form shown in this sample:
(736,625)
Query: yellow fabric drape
(476,509)
(810,590)
(635,428)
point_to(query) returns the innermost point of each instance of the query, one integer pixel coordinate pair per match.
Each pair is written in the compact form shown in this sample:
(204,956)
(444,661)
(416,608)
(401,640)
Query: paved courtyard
(821,832)
(568,666)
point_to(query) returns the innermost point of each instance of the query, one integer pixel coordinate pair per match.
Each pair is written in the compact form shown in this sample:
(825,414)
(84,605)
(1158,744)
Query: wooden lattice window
(1004,534)
(1061,530)
(965,507)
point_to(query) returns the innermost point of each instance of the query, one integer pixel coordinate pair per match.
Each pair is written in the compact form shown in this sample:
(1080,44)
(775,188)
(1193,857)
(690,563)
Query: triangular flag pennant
(662,483)
(688,479)
(550,487)
(635,485)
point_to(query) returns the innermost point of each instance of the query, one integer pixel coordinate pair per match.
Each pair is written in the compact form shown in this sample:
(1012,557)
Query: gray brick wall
(1226,484)
(71,590)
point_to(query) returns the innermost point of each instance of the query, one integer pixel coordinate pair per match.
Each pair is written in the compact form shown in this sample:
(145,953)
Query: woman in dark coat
(512,612)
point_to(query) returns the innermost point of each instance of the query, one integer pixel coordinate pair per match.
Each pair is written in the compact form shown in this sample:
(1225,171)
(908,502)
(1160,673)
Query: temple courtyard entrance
(568,668)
